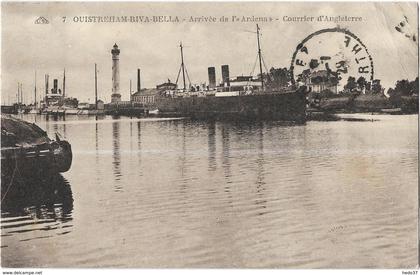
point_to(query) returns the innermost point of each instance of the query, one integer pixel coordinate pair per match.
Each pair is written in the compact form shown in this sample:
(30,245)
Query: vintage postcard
(209,135)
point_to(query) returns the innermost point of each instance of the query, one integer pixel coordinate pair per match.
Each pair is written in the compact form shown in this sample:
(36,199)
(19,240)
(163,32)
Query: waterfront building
(145,96)
(321,80)
(83,106)
(166,86)
(100,105)
(148,96)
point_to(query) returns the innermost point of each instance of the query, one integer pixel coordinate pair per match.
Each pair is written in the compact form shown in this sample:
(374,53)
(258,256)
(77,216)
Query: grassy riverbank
(364,103)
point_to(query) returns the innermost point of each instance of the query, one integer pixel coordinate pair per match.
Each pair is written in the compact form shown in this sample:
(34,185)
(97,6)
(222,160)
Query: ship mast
(46,90)
(182,66)
(259,57)
(35,91)
(18,94)
(131,95)
(96,88)
(64,83)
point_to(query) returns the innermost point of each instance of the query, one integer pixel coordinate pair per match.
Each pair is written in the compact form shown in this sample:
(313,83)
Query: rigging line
(186,71)
(253,68)
(247,31)
(255,64)
(12,179)
(179,71)
(265,66)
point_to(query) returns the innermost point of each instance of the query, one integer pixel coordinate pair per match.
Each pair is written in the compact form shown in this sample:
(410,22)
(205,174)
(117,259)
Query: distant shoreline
(318,115)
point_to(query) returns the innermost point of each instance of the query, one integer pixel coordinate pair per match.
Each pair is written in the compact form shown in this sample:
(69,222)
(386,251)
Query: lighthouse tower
(116,96)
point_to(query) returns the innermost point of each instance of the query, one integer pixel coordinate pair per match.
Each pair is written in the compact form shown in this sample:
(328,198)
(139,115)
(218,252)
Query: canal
(182,193)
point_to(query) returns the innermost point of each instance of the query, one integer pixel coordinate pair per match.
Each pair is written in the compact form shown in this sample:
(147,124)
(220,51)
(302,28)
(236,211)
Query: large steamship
(248,100)
(286,106)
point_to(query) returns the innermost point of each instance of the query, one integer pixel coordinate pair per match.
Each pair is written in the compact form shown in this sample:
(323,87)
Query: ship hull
(269,106)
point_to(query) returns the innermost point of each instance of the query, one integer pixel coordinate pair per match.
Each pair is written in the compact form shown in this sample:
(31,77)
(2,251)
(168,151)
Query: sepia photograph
(232,135)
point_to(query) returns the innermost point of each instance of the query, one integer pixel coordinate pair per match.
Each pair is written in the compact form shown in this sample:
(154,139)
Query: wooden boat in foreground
(27,151)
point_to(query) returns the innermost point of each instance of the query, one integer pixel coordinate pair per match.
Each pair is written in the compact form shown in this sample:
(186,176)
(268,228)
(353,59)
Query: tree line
(277,78)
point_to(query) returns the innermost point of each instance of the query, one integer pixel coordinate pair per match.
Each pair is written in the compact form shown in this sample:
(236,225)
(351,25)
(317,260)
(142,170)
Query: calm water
(179,193)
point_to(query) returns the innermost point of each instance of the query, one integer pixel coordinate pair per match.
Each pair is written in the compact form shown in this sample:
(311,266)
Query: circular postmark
(334,53)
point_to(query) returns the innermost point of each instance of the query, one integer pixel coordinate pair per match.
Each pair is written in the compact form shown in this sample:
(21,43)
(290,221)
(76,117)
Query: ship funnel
(212,77)
(225,75)
(55,86)
(46,84)
(138,81)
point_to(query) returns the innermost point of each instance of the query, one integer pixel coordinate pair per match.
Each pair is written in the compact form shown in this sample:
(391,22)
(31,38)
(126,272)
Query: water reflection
(220,194)
(116,153)
(64,128)
(180,138)
(226,161)
(260,201)
(182,161)
(211,143)
(96,136)
(48,122)
(47,125)
(139,155)
(33,206)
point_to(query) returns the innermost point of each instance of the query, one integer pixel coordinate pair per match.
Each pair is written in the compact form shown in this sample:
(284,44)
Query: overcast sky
(153,47)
